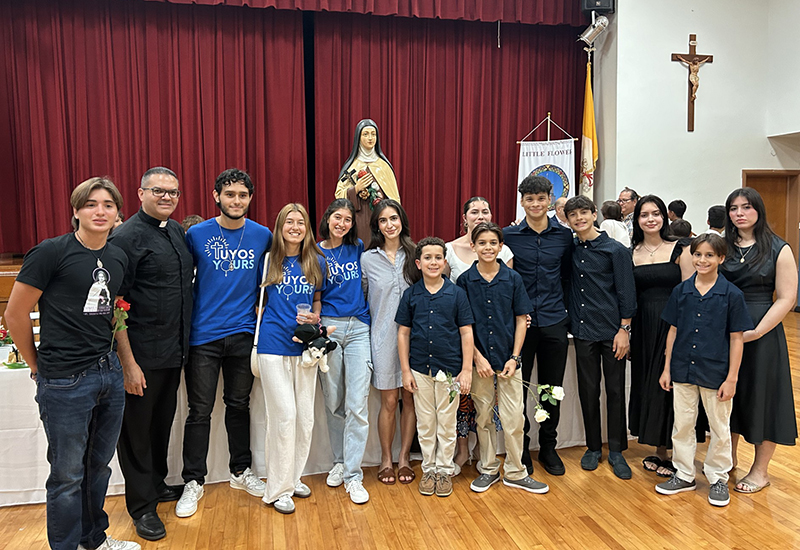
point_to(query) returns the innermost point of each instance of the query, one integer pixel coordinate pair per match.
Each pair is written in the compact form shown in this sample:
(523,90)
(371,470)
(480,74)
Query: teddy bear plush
(316,345)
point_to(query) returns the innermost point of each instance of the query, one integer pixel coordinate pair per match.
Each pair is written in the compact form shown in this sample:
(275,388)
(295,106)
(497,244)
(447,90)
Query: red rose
(375,201)
(3,333)
(362,173)
(122,304)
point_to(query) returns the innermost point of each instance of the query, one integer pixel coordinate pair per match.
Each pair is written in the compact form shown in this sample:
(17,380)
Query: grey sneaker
(301,490)
(336,475)
(675,485)
(718,494)
(527,484)
(483,482)
(248,481)
(284,505)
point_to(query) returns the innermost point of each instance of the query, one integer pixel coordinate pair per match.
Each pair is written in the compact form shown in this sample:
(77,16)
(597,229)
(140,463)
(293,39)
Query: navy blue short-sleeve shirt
(701,352)
(434,320)
(495,305)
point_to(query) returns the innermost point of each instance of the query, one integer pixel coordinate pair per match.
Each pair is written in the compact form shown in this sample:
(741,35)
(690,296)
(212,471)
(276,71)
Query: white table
(23,447)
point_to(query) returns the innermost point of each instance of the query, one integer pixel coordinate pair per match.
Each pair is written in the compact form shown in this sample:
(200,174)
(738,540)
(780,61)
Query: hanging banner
(554,160)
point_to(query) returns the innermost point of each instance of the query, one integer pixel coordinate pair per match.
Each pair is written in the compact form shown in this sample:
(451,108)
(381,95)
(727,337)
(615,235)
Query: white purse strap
(261,299)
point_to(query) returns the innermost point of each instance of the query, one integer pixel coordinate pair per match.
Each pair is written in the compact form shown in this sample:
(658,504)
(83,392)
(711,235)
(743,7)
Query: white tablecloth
(23,447)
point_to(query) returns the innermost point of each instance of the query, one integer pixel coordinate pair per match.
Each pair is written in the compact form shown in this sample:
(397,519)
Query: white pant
(289,397)
(719,460)
(509,399)
(436,424)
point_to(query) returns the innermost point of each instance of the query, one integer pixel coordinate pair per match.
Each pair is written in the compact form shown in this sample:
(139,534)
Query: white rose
(441,376)
(541,415)
(558,393)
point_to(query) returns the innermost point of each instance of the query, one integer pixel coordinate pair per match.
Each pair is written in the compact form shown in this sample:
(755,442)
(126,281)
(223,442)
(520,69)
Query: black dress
(650,413)
(763,407)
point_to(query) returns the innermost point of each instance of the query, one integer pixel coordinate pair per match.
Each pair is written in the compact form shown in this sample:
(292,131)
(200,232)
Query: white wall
(647,147)
(783,68)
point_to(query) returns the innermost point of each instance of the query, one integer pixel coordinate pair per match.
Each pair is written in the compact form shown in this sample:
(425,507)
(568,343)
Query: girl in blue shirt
(296,275)
(346,384)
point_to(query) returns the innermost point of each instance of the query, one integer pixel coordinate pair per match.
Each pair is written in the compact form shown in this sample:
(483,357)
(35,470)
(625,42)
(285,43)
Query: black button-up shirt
(543,260)
(158,285)
(495,305)
(602,288)
(435,342)
(700,355)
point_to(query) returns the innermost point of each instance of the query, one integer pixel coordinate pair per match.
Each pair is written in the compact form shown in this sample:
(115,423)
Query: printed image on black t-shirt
(98,302)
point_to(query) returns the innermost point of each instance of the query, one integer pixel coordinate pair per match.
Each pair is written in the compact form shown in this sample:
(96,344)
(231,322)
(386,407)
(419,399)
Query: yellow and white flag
(589,149)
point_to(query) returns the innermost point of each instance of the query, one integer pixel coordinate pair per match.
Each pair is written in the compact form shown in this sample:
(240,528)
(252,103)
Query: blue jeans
(232,355)
(346,390)
(82,416)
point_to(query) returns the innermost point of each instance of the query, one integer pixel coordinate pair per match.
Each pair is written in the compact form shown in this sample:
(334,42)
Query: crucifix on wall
(693,62)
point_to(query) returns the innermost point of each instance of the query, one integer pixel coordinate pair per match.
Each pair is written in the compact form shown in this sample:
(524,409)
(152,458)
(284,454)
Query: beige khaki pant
(289,396)
(436,424)
(509,401)
(684,443)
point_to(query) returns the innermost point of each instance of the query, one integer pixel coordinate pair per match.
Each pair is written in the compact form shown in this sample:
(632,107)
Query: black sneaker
(590,459)
(675,485)
(718,494)
(483,482)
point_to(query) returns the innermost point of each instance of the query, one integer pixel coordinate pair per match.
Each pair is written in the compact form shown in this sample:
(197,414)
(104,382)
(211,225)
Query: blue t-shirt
(344,295)
(435,342)
(701,352)
(280,309)
(229,267)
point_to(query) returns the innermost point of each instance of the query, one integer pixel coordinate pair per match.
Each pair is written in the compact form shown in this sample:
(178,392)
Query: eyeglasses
(623,201)
(158,192)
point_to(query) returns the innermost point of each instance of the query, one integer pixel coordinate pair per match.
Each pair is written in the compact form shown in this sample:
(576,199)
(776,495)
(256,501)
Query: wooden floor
(583,510)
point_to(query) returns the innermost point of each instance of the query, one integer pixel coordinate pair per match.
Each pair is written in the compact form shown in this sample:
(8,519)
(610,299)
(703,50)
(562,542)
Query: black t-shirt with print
(76,306)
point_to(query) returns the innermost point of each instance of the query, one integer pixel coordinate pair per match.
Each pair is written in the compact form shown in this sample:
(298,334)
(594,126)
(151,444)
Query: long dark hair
(351,237)
(466,209)
(357,141)
(410,270)
(638,234)
(761,230)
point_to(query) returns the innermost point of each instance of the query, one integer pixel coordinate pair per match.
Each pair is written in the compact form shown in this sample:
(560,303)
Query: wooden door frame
(792,202)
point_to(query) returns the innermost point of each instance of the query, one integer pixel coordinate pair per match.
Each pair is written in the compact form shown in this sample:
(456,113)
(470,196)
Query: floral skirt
(465,417)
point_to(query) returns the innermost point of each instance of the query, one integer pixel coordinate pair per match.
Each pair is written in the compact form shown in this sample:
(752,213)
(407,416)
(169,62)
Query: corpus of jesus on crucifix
(693,62)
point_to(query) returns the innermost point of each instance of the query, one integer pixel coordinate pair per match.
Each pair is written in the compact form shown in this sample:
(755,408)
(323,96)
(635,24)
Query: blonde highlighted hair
(309,251)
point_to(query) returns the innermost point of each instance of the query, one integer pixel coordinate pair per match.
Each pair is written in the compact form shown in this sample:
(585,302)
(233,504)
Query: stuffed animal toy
(316,345)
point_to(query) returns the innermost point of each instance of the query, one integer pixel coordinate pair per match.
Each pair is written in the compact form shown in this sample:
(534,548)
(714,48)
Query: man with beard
(229,256)
(158,285)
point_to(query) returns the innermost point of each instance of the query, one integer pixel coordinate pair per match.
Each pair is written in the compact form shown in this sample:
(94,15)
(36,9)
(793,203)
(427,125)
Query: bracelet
(518,359)
(626,328)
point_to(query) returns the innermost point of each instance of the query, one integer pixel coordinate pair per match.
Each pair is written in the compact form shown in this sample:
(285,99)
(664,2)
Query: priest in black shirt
(158,285)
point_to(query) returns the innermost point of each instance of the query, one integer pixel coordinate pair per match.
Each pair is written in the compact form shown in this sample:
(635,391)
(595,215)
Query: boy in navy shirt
(708,317)
(602,300)
(500,305)
(430,314)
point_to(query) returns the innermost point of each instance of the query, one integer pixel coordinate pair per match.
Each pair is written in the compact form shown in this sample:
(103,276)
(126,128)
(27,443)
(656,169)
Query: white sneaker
(187,505)
(358,494)
(248,481)
(336,475)
(284,505)
(301,490)
(114,544)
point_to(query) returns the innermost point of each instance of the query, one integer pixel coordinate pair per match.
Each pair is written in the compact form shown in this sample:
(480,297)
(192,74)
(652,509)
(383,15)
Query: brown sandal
(387,477)
(407,473)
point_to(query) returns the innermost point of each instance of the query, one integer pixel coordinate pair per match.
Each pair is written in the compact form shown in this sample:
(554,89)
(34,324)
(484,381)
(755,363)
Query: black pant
(588,355)
(144,439)
(549,346)
(232,355)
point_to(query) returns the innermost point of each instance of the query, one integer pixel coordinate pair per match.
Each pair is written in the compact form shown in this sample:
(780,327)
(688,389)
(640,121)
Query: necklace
(654,250)
(339,256)
(228,251)
(103,250)
(744,255)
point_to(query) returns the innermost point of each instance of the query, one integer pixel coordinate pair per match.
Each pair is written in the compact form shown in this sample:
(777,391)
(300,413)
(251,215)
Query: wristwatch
(518,359)
(626,328)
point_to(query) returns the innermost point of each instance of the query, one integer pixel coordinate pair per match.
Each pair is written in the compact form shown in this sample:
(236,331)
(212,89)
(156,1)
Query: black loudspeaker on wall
(600,6)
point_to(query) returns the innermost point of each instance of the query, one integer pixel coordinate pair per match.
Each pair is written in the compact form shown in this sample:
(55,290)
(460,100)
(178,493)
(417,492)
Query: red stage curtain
(449,104)
(546,12)
(103,87)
